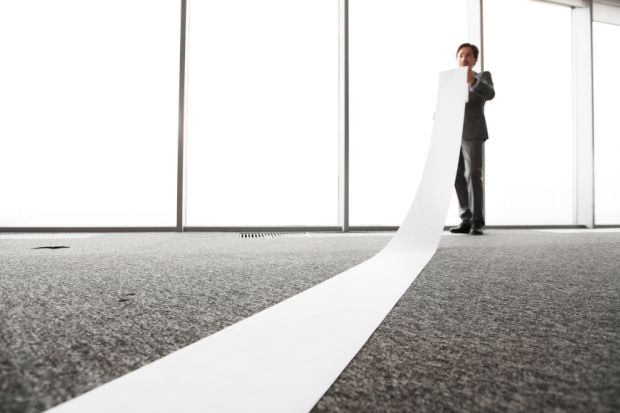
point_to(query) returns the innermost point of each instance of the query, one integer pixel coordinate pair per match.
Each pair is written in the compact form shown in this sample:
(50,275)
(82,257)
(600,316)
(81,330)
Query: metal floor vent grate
(261,234)
(280,234)
(311,234)
(288,234)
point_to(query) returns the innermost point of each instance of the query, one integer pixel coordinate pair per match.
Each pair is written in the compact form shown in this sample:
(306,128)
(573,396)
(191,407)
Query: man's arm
(483,86)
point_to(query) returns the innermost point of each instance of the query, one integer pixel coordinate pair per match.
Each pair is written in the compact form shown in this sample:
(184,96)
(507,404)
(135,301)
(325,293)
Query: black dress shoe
(476,229)
(463,228)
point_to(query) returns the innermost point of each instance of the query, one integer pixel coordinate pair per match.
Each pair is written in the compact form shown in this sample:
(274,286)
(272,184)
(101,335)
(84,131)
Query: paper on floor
(284,358)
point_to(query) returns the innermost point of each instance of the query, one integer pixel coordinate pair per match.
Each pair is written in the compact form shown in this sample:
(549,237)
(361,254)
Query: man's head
(467,55)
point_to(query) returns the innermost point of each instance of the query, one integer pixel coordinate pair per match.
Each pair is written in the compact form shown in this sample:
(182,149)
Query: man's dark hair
(473,48)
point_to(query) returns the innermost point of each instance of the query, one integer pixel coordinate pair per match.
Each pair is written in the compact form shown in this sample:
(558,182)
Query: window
(606,38)
(262,131)
(529,166)
(397,49)
(88,112)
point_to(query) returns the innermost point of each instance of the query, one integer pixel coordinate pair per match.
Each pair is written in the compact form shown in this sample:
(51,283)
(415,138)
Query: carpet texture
(522,323)
(512,321)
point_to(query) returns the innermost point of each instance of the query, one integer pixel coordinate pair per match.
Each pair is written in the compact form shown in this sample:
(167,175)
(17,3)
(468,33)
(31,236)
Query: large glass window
(606,38)
(88,112)
(529,156)
(262,133)
(397,49)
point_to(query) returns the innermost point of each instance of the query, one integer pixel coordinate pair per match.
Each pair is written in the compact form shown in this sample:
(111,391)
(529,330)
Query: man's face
(465,57)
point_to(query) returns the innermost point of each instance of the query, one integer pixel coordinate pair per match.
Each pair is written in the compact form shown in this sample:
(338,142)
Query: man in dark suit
(468,183)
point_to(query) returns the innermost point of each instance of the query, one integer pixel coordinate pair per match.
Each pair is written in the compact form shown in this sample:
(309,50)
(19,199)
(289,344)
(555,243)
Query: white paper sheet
(284,358)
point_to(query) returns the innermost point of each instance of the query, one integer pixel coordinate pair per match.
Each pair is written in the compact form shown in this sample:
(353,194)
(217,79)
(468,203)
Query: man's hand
(471,76)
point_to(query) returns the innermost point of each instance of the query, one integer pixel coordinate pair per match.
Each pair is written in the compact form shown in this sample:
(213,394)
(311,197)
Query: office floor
(512,321)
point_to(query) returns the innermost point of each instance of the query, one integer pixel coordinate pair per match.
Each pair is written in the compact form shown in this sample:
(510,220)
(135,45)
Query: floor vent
(321,234)
(262,234)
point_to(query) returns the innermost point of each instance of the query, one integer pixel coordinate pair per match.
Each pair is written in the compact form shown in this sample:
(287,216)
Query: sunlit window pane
(263,113)
(397,49)
(529,155)
(606,123)
(88,112)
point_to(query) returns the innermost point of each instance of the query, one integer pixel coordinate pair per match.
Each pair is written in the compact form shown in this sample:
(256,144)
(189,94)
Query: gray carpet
(518,322)
(512,321)
(75,318)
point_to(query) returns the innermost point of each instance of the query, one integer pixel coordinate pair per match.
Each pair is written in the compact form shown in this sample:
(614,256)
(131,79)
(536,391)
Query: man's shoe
(463,228)
(476,229)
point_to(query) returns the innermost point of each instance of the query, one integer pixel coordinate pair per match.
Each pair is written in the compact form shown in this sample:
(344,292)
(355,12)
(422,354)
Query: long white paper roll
(284,358)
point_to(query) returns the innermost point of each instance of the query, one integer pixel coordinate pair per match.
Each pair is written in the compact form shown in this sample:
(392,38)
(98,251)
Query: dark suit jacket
(475,125)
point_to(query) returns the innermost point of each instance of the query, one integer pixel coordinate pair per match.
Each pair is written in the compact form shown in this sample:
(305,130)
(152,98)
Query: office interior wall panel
(262,126)
(606,12)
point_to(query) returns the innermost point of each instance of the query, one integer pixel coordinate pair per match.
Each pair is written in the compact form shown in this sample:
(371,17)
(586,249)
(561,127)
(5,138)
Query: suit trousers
(468,183)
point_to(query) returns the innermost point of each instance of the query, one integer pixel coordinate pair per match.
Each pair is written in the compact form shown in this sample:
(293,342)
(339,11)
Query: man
(468,183)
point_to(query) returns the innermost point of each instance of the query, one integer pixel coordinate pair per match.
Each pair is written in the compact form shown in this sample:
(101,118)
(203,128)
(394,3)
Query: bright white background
(88,112)
(89,95)
(606,55)
(262,135)
(529,167)
(397,49)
